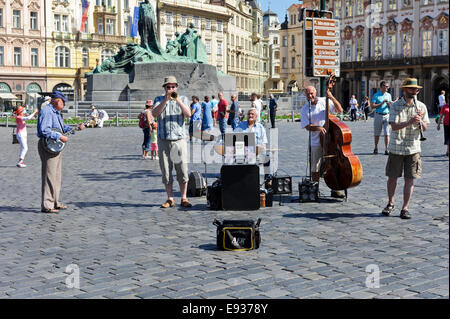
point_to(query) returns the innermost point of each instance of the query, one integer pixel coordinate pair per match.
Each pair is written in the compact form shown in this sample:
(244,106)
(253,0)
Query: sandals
(185,203)
(61,206)
(387,211)
(50,210)
(168,203)
(404,214)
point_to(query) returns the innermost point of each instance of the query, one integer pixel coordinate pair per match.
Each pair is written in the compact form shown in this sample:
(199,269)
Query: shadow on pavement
(208,247)
(8,209)
(124,158)
(111,176)
(106,204)
(330,216)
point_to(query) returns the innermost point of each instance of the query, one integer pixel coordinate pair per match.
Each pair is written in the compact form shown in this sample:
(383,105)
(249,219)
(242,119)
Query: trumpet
(173,95)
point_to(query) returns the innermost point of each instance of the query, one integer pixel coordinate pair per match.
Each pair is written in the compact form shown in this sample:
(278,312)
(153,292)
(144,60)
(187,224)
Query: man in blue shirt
(251,125)
(273,106)
(50,119)
(196,111)
(207,119)
(381,102)
(233,117)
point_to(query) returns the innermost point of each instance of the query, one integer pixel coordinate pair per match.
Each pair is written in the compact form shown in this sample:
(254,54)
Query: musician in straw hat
(408,119)
(171,110)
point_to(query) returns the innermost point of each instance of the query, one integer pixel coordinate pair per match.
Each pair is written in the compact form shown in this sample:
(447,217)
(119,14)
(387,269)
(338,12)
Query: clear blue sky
(278,6)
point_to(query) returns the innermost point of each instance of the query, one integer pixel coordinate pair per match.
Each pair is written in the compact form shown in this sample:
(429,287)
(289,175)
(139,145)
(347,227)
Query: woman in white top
(21,131)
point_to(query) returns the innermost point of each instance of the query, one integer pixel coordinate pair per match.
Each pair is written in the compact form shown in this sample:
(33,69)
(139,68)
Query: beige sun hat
(411,83)
(170,79)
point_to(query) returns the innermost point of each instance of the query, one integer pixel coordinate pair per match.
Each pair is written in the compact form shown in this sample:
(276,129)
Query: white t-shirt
(317,117)
(441,100)
(353,104)
(258,105)
(103,115)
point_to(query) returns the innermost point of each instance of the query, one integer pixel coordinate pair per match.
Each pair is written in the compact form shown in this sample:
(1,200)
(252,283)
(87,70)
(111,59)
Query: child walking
(154,141)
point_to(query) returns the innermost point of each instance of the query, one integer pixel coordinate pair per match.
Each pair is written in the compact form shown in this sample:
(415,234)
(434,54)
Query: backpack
(142,120)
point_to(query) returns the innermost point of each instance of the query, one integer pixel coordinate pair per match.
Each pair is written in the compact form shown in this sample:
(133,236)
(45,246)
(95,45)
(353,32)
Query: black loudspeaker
(240,187)
(196,185)
(308,191)
(281,185)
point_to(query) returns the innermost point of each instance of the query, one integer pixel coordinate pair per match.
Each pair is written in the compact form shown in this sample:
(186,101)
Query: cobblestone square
(125,246)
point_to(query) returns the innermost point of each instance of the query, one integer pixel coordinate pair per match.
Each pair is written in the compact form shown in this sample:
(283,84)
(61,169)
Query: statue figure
(172,47)
(147,28)
(192,46)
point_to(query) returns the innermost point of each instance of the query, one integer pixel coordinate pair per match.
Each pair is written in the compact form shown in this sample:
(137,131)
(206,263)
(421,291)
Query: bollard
(7,120)
(117,119)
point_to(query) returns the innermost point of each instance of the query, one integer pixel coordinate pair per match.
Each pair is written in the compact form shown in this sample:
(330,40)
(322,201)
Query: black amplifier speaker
(308,191)
(240,187)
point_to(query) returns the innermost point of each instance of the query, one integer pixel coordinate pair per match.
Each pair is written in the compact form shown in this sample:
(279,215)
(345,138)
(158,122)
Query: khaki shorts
(316,156)
(381,123)
(411,165)
(173,153)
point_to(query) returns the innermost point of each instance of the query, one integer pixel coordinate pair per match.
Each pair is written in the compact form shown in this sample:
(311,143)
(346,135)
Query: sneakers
(404,214)
(387,211)
(21,164)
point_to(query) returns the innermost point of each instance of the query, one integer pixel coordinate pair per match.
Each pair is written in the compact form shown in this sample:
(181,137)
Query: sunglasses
(171,87)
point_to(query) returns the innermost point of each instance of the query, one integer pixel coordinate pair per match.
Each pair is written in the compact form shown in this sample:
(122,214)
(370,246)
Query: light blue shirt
(207,121)
(197,112)
(49,119)
(258,129)
(171,120)
(379,97)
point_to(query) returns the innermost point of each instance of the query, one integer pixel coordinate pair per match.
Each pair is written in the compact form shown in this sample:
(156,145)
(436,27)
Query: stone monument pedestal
(146,79)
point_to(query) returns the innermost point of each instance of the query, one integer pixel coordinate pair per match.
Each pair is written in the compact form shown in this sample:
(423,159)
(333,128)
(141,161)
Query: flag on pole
(84,9)
(134,27)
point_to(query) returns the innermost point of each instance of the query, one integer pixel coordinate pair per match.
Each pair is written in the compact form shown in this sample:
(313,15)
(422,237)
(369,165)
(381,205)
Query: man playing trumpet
(170,110)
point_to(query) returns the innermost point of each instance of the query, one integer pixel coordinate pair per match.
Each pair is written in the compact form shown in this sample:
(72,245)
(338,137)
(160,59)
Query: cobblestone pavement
(125,246)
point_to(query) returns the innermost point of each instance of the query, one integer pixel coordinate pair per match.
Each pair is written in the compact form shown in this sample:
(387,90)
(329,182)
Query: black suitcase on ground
(196,185)
(238,234)
(214,195)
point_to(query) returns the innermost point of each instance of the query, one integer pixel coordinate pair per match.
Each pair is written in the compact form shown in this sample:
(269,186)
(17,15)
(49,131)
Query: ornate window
(360,7)
(65,24)
(406,44)
(208,46)
(34,57)
(219,26)
(378,47)
(17,56)
(427,40)
(110,26)
(62,57)
(348,8)
(427,2)
(443,42)
(407,3)
(17,24)
(169,18)
(379,5)
(391,45)
(2,56)
(85,57)
(360,49)
(33,20)
(337,9)
(348,51)
(392,4)
(1,17)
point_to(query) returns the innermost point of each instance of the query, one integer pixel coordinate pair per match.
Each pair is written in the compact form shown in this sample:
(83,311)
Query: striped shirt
(171,120)
(407,140)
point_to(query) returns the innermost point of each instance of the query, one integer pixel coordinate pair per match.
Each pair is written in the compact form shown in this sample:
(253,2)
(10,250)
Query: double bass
(341,169)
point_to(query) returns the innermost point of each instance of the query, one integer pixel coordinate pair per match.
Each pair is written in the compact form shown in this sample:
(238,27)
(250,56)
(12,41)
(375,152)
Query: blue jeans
(222,125)
(146,143)
(234,123)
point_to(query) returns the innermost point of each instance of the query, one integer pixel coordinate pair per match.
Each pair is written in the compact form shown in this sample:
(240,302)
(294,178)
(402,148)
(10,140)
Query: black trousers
(272,117)
(353,112)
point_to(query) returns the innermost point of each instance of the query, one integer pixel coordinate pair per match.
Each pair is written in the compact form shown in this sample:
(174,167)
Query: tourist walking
(444,114)
(353,108)
(381,102)
(273,107)
(21,132)
(233,117)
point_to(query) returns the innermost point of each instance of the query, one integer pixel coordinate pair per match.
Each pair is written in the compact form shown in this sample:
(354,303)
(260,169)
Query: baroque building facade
(271,31)
(22,47)
(395,40)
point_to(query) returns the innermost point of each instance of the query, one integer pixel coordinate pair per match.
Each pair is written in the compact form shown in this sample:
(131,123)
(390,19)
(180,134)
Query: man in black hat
(50,119)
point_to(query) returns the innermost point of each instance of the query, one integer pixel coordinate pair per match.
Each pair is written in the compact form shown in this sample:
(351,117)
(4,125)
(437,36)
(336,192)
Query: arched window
(62,57)
(85,57)
(106,53)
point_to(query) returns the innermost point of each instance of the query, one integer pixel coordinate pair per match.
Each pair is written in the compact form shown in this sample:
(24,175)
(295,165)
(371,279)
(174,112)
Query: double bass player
(313,120)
